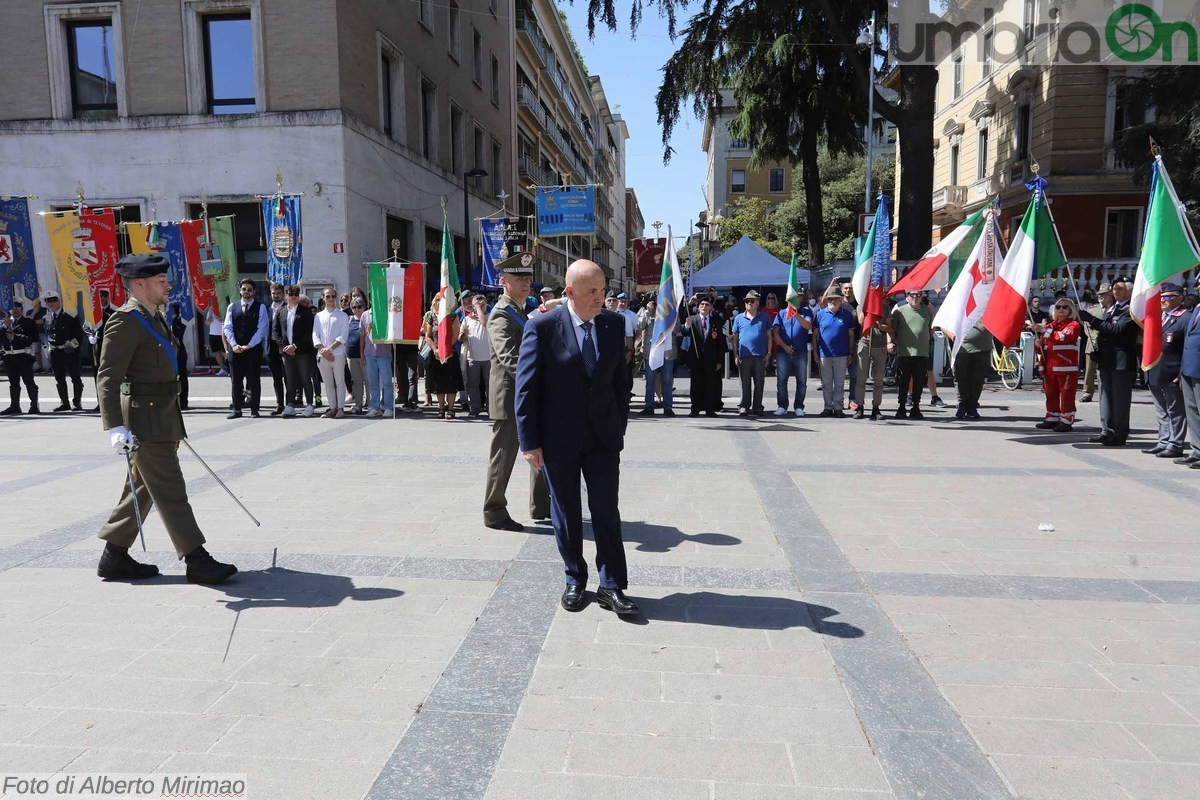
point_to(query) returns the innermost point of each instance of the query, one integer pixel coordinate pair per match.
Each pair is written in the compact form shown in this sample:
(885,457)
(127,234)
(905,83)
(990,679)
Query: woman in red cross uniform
(1059,343)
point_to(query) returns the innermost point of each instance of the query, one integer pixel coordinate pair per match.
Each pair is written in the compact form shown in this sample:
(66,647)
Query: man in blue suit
(572,409)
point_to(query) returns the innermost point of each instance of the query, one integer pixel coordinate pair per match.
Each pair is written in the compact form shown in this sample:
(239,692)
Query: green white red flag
(396,300)
(939,267)
(969,294)
(1169,247)
(447,299)
(793,300)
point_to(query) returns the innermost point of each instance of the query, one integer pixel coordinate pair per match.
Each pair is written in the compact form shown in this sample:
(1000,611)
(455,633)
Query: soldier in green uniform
(505,326)
(139,399)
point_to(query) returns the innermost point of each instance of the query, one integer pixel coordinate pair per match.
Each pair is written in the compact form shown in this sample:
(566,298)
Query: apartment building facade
(998,119)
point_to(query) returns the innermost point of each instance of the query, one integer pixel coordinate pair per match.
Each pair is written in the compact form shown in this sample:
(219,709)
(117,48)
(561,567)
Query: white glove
(92,339)
(121,438)
(73,344)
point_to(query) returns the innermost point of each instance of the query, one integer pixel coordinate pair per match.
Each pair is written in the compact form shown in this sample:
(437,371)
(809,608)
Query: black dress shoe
(1101,439)
(1187,461)
(276,411)
(509,524)
(858,413)
(573,598)
(1152,451)
(694,412)
(203,568)
(668,412)
(710,413)
(234,415)
(10,411)
(120,566)
(1046,425)
(1169,453)
(646,412)
(1194,465)
(915,413)
(255,414)
(63,407)
(616,601)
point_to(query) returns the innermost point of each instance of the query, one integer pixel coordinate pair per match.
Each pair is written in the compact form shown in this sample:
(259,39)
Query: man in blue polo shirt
(750,331)
(835,341)
(791,332)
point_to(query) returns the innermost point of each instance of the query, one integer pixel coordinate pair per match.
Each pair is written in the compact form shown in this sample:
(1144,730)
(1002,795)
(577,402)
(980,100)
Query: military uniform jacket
(65,332)
(25,336)
(1117,338)
(136,381)
(1174,332)
(505,326)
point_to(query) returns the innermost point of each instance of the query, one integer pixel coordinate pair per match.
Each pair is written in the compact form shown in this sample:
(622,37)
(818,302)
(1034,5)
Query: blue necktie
(589,349)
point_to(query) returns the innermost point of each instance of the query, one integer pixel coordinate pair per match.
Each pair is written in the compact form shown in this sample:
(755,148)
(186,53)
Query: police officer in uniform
(1163,377)
(505,327)
(18,338)
(139,399)
(66,335)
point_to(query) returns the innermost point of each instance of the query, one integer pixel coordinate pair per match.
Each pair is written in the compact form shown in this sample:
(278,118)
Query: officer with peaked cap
(1163,377)
(138,392)
(505,326)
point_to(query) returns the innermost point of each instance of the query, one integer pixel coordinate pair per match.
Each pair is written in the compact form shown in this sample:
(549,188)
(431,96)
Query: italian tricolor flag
(968,296)
(1034,253)
(447,300)
(942,263)
(793,290)
(873,267)
(396,302)
(1168,248)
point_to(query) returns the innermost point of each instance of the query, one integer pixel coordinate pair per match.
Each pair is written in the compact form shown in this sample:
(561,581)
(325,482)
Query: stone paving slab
(832,610)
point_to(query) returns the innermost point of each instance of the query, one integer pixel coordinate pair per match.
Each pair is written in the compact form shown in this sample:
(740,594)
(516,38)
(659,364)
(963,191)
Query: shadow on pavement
(286,588)
(744,611)
(662,538)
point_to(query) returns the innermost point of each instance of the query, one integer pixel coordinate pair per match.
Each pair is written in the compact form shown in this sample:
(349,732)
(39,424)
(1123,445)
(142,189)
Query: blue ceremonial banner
(171,242)
(281,221)
(567,211)
(18,272)
(502,237)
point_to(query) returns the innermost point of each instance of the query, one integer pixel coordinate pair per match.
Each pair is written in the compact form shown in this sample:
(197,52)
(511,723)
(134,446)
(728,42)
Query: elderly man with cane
(139,407)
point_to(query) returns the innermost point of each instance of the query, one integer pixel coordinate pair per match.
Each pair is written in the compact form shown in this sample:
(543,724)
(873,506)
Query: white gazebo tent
(747,264)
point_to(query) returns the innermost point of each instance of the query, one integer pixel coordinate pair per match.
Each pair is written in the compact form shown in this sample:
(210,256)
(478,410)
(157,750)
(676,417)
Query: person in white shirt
(331,330)
(478,352)
(216,340)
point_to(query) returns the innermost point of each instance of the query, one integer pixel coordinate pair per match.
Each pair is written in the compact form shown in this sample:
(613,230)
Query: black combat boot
(203,568)
(117,565)
(33,406)
(63,404)
(77,402)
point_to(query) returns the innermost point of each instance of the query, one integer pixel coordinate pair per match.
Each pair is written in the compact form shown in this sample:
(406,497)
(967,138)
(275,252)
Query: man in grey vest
(505,326)
(246,332)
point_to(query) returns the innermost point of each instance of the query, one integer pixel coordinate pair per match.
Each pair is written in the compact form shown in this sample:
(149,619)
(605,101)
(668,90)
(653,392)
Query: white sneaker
(289,411)
(799,412)
(308,411)
(374,413)
(781,412)
(222,373)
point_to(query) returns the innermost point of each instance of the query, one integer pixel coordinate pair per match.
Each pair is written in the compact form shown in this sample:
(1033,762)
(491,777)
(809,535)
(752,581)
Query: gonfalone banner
(281,221)
(18,272)
(570,210)
(501,238)
(84,247)
(166,238)
(648,260)
(397,303)
(221,231)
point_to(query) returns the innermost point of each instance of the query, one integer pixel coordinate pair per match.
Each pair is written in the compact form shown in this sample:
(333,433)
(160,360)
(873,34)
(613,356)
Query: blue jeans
(379,384)
(787,366)
(667,371)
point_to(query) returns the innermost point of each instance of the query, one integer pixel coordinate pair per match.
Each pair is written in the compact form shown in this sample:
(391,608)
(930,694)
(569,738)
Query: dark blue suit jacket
(1190,365)
(557,403)
(1174,331)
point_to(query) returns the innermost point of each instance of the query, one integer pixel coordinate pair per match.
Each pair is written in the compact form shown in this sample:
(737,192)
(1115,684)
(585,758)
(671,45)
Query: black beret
(143,265)
(1121,279)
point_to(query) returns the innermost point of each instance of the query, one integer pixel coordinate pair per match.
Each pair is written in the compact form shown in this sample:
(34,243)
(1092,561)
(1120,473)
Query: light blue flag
(666,312)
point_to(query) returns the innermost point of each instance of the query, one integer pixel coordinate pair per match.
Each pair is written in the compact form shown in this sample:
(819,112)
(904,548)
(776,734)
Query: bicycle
(1007,364)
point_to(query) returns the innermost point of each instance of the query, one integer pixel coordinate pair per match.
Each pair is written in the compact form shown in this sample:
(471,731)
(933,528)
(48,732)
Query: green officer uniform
(138,389)
(505,326)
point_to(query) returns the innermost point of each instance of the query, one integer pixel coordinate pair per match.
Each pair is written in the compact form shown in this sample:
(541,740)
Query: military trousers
(503,455)
(66,363)
(1172,418)
(159,482)
(1116,395)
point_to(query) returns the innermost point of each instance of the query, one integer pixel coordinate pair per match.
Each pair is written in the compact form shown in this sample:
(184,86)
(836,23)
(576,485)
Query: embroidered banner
(166,238)
(570,210)
(84,247)
(18,272)
(281,221)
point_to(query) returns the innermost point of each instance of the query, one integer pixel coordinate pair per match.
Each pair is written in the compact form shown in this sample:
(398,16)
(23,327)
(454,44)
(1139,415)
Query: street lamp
(866,41)
(475,173)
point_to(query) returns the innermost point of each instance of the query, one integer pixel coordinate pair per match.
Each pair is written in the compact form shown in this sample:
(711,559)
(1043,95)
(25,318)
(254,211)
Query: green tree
(753,216)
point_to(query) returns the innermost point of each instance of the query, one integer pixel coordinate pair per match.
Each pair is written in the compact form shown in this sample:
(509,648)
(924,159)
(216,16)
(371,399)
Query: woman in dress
(443,378)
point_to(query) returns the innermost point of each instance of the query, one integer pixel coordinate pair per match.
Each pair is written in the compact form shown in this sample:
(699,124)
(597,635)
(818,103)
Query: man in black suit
(572,410)
(1117,362)
(274,357)
(705,345)
(292,333)
(246,333)
(66,336)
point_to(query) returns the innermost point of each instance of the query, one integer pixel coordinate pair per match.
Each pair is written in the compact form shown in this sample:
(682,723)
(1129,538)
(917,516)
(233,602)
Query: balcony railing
(528,26)
(949,198)
(528,169)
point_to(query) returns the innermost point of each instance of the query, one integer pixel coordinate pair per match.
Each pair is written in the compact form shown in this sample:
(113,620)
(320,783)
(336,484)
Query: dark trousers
(67,363)
(1116,394)
(406,374)
(705,385)
(247,369)
(911,373)
(753,374)
(970,372)
(600,468)
(20,370)
(298,370)
(275,362)
(182,368)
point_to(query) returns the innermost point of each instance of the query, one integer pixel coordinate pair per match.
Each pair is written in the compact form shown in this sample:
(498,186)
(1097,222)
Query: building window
(982,157)
(497,170)
(92,63)
(957,83)
(1021,130)
(477,58)
(229,64)
(775,179)
(425,13)
(388,109)
(452,38)
(456,140)
(988,49)
(1129,108)
(1122,232)
(492,7)
(428,120)
(477,150)
(495,80)
(737,181)
(739,144)
(954,150)
(1030,19)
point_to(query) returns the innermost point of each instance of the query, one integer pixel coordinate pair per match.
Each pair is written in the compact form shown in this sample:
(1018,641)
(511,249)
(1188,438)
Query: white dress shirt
(578,324)
(329,327)
(291,322)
